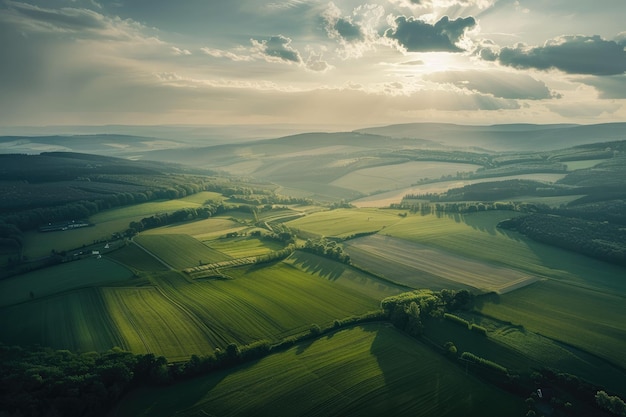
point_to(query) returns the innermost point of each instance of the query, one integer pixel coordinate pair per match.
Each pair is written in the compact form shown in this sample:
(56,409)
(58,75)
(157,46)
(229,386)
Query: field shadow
(318,266)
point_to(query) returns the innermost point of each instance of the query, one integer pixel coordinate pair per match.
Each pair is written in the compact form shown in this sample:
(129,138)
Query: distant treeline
(600,240)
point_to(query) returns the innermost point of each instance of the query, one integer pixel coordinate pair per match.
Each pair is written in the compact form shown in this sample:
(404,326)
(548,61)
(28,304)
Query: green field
(388,177)
(265,302)
(346,222)
(200,229)
(365,371)
(585,318)
(476,236)
(149,322)
(421,266)
(137,211)
(242,246)
(179,251)
(76,320)
(136,258)
(88,272)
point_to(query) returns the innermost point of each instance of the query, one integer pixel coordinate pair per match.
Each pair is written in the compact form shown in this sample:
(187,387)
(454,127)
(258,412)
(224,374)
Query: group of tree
(600,240)
(327,248)
(181,215)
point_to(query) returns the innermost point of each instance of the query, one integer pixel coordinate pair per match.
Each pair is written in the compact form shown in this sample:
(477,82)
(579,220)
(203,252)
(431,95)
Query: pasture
(89,272)
(76,320)
(346,222)
(371,370)
(136,258)
(588,319)
(179,251)
(420,266)
(394,176)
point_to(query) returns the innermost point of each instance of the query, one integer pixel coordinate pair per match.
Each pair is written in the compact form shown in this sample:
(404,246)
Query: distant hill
(508,137)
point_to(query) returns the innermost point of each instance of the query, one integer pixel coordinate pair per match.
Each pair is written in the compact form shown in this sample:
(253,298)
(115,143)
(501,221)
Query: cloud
(609,87)
(497,83)
(575,54)
(357,32)
(481,4)
(220,53)
(277,49)
(419,36)
(177,51)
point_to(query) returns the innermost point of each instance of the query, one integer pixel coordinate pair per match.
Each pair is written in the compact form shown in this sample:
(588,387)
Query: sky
(339,64)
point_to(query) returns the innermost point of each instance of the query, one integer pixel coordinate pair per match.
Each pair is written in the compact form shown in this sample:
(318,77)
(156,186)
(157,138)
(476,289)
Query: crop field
(179,251)
(242,246)
(576,165)
(476,236)
(343,275)
(149,322)
(390,197)
(346,222)
(135,212)
(387,177)
(88,272)
(269,302)
(135,257)
(536,350)
(76,320)
(37,244)
(279,215)
(203,196)
(364,371)
(420,266)
(200,229)
(585,318)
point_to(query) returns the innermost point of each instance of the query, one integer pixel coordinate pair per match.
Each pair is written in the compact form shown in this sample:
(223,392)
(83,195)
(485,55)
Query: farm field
(589,163)
(264,302)
(38,245)
(76,320)
(476,236)
(137,211)
(243,246)
(136,258)
(364,371)
(200,229)
(386,177)
(391,197)
(420,266)
(587,319)
(149,322)
(90,272)
(179,251)
(346,222)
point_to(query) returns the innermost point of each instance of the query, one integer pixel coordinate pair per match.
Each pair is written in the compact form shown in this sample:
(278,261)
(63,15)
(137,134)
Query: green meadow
(90,272)
(585,318)
(179,251)
(354,372)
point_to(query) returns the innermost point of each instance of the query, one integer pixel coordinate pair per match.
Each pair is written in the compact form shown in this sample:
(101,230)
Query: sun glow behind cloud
(348,62)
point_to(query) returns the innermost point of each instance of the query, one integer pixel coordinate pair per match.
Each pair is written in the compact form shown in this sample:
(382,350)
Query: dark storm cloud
(279,47)
(347,30)
(419,36)
(499,84)
(572,54)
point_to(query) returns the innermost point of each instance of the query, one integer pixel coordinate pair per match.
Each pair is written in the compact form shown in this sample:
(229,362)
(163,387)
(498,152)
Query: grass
(149,322)
(364,371)
(476,236)
(264,302)
(386,177)
(576,165)
(138,211)
(76,320)
(346,222)
(136,258)
(179,251)
(421,266)
(90,272)
(243,246)
(200,229)
(587,319)
(344,275)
